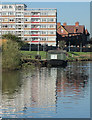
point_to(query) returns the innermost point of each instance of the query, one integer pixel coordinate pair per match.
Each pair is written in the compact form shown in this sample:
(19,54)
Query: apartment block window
(51,13)
(35,13)
(11,13)
(50,32)
(27,19)
(35,26)
(33,39)
(4,26)
(28,26)
(4,7)
(11,19)
(11,26)
(10,6)
(19,7)
(5,32)
(0,13)
(44,39)
(44,32)
(27,13)
(51,26)
(44,20)
(35,19)
(25,39)
(25,26)
(26,32)
(51,20)
(35,32)
(43,26)
(5,20)
(44,13)
(4,13)
(51,38)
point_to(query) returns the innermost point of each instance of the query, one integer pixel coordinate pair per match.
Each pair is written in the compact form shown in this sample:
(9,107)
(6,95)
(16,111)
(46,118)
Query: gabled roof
(64,28)
(74,29)
(71,29)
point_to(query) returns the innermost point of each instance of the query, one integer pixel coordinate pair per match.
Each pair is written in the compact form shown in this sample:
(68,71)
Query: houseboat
(56,58)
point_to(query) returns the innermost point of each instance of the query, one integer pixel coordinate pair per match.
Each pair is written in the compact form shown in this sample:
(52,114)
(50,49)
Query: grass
(71,55)
(78,55)
(32,54)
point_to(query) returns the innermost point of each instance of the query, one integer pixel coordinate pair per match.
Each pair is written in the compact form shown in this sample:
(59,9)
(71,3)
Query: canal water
(47,92)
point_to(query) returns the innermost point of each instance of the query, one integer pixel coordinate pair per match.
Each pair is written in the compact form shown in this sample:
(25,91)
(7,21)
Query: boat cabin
(56,55)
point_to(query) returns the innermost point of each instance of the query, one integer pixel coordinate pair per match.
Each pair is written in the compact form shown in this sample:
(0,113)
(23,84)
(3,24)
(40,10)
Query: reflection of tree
(77,74)
(10,82)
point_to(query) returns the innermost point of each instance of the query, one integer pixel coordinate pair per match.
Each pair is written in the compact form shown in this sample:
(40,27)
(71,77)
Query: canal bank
(70,55)
(29,57)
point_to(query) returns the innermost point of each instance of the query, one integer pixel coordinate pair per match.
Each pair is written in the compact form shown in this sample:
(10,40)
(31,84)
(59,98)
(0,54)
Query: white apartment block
(35,26)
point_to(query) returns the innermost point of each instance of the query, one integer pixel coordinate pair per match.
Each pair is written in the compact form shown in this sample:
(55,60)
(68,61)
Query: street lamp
(80,47)
(30,46)
(81,44)
(69,43)
(38,47)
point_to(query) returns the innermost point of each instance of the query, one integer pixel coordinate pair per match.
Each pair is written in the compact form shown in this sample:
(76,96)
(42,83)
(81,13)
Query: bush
(11,56)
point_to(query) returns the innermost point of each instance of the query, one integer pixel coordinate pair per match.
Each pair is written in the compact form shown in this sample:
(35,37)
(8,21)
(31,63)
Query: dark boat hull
(56,63)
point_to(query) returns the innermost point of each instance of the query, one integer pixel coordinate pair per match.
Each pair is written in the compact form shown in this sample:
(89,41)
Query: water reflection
(47,92)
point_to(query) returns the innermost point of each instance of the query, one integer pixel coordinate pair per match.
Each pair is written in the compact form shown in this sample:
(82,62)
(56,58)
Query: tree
(11,57)
(13,38)
(62,44)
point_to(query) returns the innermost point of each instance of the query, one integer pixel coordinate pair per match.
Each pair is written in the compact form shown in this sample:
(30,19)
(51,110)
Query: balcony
(35,34)
(35,41)
(35,16)
(35,22)
(35,28)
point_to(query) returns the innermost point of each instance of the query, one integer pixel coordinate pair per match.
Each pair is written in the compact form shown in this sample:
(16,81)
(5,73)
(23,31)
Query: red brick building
(74,35)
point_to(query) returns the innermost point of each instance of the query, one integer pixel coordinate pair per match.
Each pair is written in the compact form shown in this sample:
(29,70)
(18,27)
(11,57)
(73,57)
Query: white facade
(32,25)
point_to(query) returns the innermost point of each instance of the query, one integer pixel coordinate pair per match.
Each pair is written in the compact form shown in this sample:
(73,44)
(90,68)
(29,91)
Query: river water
(47,92)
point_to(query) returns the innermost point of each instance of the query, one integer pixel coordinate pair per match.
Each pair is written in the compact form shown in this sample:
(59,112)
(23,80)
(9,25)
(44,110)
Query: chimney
(58,24)
(77,24)
(64,24)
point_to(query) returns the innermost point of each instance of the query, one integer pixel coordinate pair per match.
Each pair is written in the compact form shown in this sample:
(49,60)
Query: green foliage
(10,55)
(62,44)
(13,38)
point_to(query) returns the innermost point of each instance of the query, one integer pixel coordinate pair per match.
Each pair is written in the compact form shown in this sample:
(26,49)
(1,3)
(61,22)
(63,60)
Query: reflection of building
(32,25)
(44,89)
(72,81)
(37,91)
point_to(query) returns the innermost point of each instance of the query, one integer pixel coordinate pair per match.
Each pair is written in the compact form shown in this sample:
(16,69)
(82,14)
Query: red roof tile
(73,28)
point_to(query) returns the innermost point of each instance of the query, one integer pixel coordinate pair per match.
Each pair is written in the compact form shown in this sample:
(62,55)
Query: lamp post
(69,43)
(80,47)
(30,47)
(38,47)
(69,46)
(81,44)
